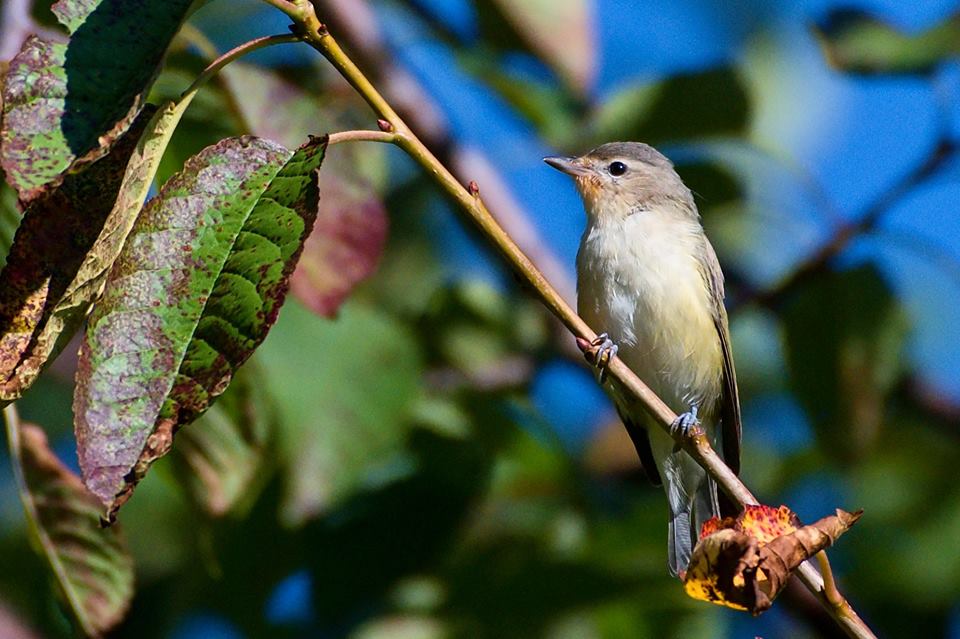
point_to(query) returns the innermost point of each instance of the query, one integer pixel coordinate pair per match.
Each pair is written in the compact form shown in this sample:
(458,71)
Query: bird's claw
(599,352)
(686,423)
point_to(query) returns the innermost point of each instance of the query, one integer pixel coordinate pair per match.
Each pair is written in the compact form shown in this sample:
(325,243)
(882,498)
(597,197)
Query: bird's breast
(640,281)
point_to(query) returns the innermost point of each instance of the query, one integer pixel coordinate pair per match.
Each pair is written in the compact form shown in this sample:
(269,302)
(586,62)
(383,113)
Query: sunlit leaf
(197,287)
(856,42)
(67,243)
(45,261)
(91,564)
(64,102)
(224,457)
(744,562)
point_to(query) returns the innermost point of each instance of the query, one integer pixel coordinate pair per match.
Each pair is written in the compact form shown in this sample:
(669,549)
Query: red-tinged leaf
(91,564)
(744,562)
(194,292)
(344,248)
(559,31)
(68,102)
(260,94)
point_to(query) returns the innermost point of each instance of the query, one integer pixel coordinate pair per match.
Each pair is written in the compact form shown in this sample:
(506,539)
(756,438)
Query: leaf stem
(232,55)
(361,135)
(314,33)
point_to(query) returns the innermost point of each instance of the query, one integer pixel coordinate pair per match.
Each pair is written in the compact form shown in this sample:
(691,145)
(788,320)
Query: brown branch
(472,206)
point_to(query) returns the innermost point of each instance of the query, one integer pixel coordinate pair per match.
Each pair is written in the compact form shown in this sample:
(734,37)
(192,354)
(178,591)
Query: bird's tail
(692,496)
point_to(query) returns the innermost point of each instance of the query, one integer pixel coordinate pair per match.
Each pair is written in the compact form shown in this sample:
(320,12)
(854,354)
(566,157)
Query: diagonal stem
(314,33)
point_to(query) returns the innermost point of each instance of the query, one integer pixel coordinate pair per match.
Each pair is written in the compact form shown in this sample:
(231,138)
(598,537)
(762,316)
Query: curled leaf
(198,285)
(92,565)
(64,102)
(744,563)
(54,238)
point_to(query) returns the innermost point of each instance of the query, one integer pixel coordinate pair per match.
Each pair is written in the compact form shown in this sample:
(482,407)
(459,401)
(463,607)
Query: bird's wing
(730,402)
(641,441)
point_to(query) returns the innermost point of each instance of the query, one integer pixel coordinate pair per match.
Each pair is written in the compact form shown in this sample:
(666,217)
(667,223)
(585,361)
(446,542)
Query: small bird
(648,276)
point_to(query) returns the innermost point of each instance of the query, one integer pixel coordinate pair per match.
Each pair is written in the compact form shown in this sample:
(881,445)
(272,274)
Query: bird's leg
(685,423)
(599,352)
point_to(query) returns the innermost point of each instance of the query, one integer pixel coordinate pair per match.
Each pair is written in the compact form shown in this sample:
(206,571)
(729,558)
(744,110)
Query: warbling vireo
(648,276)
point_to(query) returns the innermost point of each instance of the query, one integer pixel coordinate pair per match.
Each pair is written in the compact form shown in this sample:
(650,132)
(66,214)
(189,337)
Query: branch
(362,136)
(214,67)
(471,205)
(355,25)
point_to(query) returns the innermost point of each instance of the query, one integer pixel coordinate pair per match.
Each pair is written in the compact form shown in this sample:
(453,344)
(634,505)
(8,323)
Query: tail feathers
(692,496)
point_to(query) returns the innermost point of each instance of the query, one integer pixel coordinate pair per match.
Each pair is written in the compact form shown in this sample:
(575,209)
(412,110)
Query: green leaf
(223,458)
(51,243)
(844,335)
(69,102)
(9,220)
(858,43)
(708,103)
(343,391)
(194,292)
(92,565)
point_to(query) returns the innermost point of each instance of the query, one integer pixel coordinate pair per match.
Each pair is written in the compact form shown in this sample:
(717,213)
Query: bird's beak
(570,166)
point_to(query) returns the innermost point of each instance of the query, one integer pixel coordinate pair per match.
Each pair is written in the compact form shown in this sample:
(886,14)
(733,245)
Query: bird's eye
(617,168)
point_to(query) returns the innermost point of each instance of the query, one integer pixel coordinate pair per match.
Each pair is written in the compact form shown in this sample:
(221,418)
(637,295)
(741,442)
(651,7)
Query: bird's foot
(686,424)
(599,352)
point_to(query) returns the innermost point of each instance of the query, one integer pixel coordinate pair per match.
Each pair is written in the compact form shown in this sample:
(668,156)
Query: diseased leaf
(49,247)
(65,245)
(856,42)
(744,562)
(561,32)
(92,565)
(9,220)
(64,102)
(349,235)
(194,292)
(223,457)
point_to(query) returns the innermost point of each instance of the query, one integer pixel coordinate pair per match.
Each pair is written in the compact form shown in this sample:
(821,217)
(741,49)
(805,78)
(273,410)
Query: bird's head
(620,178)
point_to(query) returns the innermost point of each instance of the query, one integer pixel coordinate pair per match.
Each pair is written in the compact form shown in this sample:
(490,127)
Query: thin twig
(362,135)
(829,584)
(233,54)
(316,35)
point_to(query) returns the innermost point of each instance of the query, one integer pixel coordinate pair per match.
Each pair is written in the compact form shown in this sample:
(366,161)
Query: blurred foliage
(855,41)
(387,473)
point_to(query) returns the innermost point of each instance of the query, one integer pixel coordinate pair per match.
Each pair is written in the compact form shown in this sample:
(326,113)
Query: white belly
(639,281)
